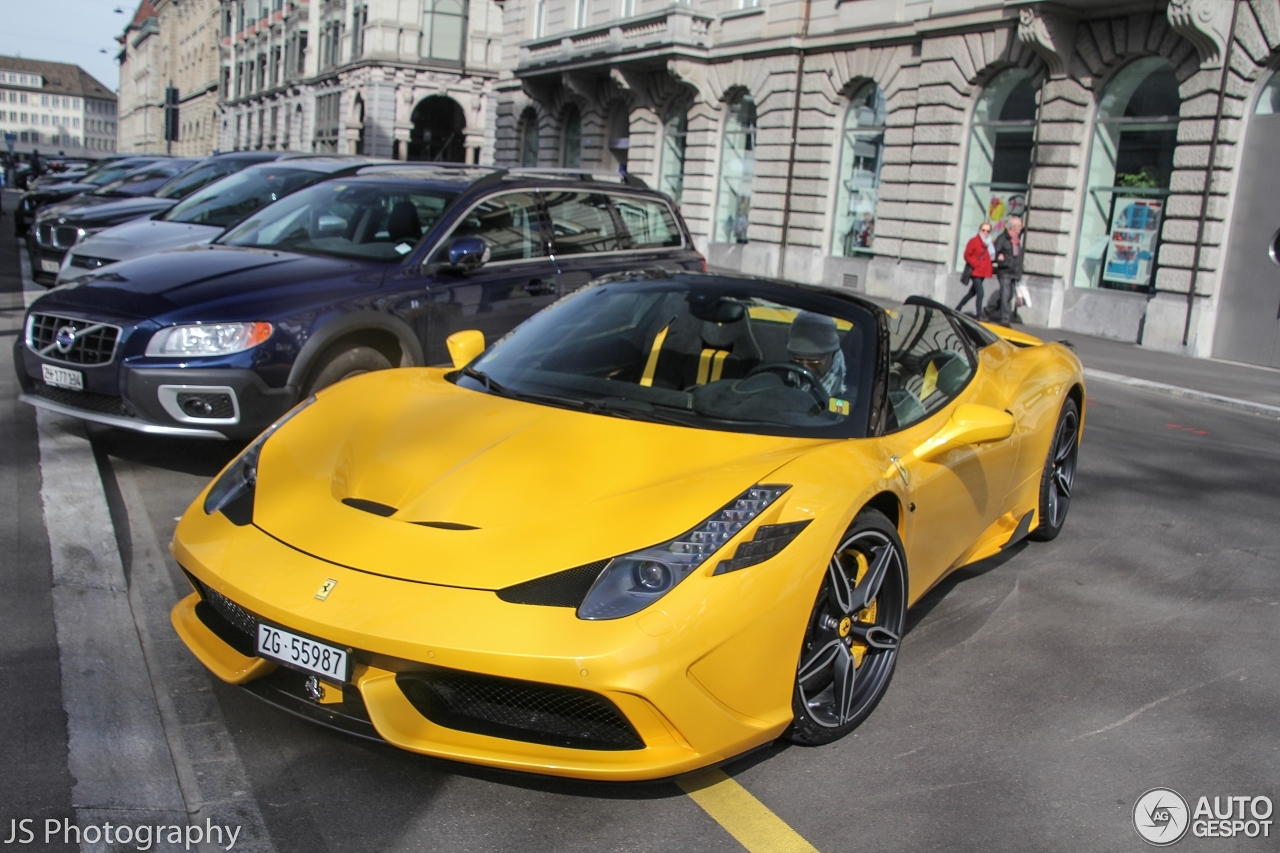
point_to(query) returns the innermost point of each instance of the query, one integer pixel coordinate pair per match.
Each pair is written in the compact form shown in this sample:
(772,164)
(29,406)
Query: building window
(1135,132)
(444,27)
(571,149)
(302,53)
(359,18)
(737,168)
(1000,144)
(539,18)
(675,131)
(861,156)
(579,14)
(628,8)
(327,125)
(529,138)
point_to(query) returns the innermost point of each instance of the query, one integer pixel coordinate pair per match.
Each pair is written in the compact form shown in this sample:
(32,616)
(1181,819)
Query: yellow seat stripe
(746,818)
(717,364)
(651,366)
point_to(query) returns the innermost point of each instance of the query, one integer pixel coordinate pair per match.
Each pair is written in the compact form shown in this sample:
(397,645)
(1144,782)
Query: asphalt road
(1037,694)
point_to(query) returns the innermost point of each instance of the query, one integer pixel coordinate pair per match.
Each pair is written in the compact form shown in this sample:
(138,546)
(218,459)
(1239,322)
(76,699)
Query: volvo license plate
(49,266)
(60,377)
(302,653)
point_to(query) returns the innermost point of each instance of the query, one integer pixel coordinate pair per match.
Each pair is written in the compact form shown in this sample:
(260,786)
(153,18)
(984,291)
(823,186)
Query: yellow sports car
(670,518)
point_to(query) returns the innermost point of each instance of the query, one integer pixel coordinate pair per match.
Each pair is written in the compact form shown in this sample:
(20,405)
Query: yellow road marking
(746,818)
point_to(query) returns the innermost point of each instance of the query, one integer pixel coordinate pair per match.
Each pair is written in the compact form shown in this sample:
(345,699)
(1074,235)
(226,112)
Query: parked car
(356,273)
(60,226)
(33,200)
(204,214)
(46,256)
(668,520)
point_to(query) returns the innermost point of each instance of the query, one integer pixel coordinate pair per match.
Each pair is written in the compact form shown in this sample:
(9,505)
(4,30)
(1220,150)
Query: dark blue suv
(362,272)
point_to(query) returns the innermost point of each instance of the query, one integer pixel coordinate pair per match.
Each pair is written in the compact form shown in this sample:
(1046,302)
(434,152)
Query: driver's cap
(812,335)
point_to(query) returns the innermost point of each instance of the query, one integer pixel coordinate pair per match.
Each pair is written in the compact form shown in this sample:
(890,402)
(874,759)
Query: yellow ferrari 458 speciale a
(670,518)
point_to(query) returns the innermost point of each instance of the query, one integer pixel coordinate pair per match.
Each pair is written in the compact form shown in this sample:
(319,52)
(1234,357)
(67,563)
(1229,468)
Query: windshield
(113,172)
(198,176)
(231,199)
(350,219)
(143,181)
(729,354)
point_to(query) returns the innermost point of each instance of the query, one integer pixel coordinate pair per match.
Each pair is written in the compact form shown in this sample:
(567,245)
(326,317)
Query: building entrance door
(1249,309)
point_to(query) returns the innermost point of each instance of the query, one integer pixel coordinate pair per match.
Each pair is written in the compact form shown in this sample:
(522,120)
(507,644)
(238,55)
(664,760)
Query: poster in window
(1135,225)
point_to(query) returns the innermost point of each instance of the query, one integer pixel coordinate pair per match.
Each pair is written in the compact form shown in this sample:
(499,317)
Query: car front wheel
(851,642)
(1059,475)
(344,364)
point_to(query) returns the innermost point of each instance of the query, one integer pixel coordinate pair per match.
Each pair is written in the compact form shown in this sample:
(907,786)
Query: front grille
(64,236)
(232,612)
(89,401)
(563,589)
(70,340)
(518,710)
(44,234)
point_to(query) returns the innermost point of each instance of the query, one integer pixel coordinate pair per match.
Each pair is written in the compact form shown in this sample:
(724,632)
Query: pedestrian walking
(978,255)
(37,168)
(1008,269)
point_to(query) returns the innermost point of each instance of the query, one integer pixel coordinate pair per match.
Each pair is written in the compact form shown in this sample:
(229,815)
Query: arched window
(439,131)
(675,131)
(1130,163)
(861,156)
(529,138)
(571,148)
(1000,143)
(737,168)
(444,27)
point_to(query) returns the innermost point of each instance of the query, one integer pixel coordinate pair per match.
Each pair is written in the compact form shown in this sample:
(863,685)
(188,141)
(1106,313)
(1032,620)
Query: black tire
(1059,475)
(849,650)
(344,364)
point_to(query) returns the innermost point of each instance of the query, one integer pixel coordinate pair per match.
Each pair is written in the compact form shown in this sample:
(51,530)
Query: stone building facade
(170,43)
(859,143)
(403,79)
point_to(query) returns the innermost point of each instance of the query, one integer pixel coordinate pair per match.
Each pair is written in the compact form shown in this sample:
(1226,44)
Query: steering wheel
(806,379)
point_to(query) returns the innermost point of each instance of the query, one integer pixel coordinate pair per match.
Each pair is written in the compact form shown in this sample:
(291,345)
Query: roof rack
(624,178)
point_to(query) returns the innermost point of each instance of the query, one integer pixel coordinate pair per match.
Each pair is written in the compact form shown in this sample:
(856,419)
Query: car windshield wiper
(600,407)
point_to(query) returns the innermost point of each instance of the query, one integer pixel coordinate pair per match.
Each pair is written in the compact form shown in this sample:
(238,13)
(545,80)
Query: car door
(518,280)
(956,496)
(585,236)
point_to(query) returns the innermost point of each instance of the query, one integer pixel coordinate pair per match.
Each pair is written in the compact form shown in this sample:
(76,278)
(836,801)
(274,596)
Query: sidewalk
(1203,378)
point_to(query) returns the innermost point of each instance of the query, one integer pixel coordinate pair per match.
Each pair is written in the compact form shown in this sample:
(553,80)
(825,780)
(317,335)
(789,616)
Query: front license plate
(49,266)
(60,377)
(302,653)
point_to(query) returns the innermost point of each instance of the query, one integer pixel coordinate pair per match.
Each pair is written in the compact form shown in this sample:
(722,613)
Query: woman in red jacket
(978,254)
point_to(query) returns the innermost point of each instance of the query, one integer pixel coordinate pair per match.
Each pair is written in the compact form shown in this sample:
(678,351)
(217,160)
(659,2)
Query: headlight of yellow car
(633,581)
(232,492)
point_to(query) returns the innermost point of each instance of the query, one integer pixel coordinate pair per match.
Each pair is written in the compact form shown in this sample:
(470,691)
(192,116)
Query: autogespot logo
(1160,816)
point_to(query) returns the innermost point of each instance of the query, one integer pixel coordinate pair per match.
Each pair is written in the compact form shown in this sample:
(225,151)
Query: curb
(1188,393)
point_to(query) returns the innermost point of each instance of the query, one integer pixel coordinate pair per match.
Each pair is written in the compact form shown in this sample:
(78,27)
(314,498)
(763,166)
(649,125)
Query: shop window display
(675,131)
(1130,165)
(999,165)
(861,157)
(737,168)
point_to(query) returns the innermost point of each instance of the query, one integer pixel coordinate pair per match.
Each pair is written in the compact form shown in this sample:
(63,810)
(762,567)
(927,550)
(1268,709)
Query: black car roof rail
(625,178)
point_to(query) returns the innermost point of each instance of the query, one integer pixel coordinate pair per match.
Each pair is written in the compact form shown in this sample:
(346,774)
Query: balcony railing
(671,28)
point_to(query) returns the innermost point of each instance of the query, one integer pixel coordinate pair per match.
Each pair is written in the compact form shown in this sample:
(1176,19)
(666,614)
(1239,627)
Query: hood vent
(563,589)
(446,525)
(370,506)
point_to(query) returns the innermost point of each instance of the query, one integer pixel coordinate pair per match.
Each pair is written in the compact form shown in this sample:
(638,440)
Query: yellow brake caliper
(866,616)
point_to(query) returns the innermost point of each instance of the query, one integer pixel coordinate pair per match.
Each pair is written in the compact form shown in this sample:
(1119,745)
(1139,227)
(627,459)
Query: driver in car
(813,344)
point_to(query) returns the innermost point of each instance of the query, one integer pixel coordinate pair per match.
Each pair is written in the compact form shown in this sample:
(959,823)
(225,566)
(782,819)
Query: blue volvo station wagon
(361,272)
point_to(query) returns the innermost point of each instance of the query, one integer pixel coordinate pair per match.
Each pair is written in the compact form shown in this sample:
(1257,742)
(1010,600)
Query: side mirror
(464,347)
(969,424)
(468,254)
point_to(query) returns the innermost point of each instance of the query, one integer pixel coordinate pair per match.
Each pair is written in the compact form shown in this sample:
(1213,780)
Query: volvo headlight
(232,492)
(633,581)
(204,339)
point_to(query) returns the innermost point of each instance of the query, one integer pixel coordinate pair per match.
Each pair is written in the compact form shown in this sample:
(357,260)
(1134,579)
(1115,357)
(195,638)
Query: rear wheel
(1059,474)
(851,643)
(344,364)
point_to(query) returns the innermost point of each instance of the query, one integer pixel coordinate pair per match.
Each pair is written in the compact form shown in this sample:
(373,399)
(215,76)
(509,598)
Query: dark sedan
(33,200)
(356,273)
(61,226)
